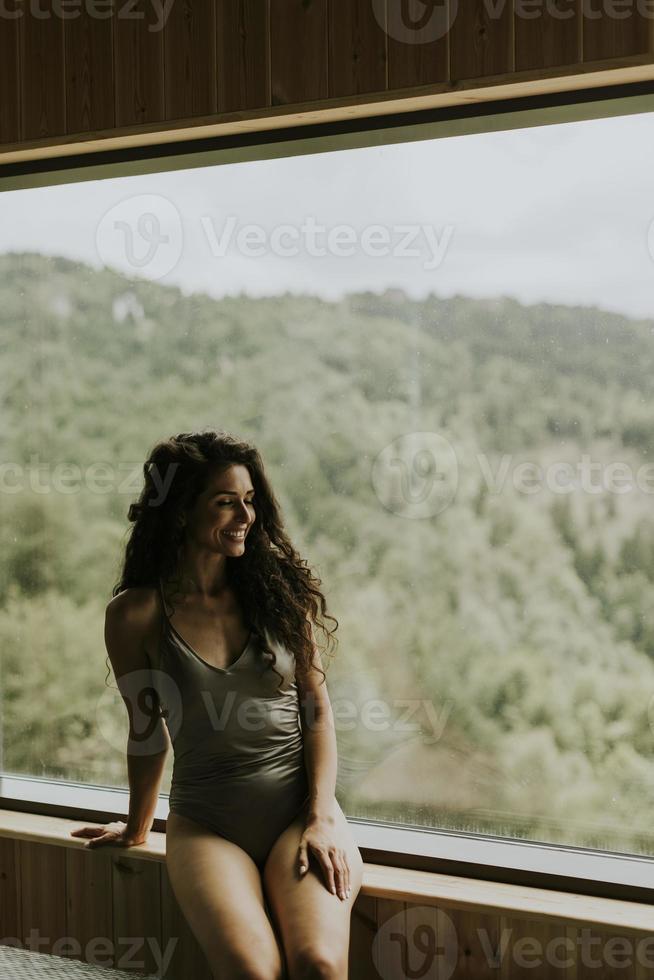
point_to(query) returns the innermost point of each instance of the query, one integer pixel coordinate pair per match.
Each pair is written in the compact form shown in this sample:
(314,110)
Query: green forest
(495,663)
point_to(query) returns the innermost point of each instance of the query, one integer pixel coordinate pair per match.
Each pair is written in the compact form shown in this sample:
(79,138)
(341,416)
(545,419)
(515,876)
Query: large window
(444,348)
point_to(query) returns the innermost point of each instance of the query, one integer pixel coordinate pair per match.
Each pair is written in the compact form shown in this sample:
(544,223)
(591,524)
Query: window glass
(444,350)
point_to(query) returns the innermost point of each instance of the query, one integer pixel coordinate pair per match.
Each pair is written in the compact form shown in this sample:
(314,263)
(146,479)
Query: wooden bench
(115,891)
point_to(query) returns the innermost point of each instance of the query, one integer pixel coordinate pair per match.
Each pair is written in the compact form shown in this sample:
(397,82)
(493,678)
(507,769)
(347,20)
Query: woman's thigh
(219,890)
(314,924)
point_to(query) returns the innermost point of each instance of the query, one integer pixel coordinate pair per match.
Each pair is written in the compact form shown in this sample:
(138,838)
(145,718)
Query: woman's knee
(318,963)
(251,956)
(245,969)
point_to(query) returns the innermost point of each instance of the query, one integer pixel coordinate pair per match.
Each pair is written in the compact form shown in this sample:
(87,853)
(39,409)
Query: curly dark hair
(273,584)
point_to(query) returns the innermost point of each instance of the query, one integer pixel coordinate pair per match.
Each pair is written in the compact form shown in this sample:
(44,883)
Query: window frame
(425,124)
(538,864)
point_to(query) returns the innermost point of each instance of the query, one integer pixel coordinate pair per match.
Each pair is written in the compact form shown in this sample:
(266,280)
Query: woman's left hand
(321,838)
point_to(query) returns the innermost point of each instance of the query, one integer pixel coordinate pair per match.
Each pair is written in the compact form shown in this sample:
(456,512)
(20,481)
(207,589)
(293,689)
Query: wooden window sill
(394,884)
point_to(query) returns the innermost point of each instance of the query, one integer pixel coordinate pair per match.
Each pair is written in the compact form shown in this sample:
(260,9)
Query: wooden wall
(84,74)
(99,899)
(112,909)
(456,944)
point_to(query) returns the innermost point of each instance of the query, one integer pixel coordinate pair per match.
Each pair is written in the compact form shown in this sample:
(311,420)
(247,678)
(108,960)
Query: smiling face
(224,511)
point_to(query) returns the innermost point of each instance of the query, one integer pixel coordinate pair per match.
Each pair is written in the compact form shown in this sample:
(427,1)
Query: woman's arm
(129,619)
(127,623)
(320,754)
(317,719)
(144,775)
(321,761)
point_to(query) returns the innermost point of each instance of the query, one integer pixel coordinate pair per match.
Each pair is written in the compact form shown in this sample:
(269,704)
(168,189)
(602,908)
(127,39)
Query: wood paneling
(477,943)
(553,37)
(42,76)
(139,65)
(611,955)
(431,953)
(42,909)
(126,902)
(614,35)
(243,58)
(89,70)
(190,59)
(10,924)
(9,81)
(80,72)
(363,927)
(530,948)
(482,41)
(89,909)
(137,914)
(298,50)
(391,951)
(419,38)
(357,47)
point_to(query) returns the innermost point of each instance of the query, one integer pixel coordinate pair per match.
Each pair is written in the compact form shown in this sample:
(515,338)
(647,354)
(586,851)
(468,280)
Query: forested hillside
(510,636)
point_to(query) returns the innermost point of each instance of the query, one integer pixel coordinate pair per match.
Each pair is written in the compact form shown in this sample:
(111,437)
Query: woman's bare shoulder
(134,599)
(138,606)
(133,618)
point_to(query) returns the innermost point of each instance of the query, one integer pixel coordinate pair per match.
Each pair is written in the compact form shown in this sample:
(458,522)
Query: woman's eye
(251,502)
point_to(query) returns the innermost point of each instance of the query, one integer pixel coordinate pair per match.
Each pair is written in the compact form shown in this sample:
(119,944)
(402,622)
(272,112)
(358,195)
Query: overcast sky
(556,213)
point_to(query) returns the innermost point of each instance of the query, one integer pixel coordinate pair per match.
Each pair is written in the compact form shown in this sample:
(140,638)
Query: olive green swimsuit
(238,747)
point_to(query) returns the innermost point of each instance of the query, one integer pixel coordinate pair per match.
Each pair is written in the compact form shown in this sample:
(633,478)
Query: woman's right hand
(111,833)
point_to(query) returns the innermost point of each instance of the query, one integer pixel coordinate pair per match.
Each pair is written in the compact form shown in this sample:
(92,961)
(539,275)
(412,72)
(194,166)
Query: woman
(232,666)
